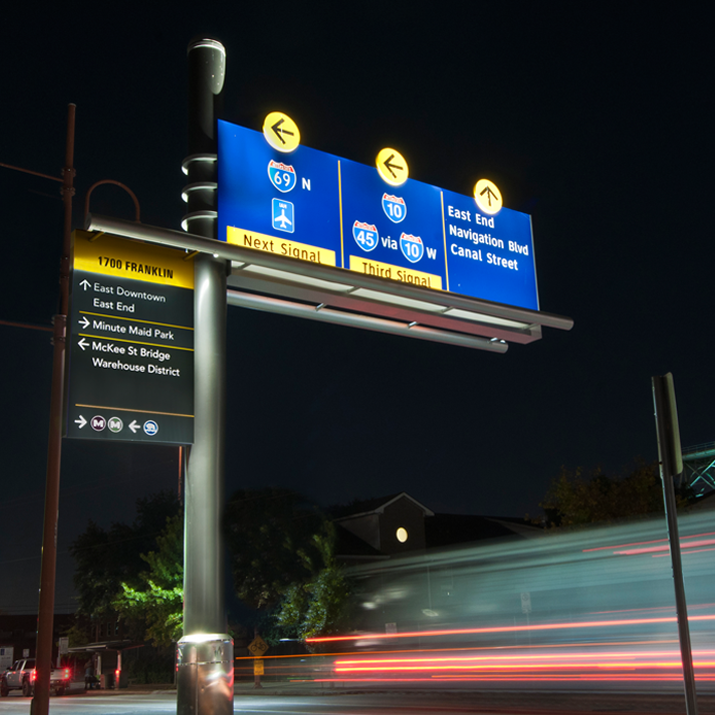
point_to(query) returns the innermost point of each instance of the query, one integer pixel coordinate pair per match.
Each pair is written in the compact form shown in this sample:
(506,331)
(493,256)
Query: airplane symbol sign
(283,216)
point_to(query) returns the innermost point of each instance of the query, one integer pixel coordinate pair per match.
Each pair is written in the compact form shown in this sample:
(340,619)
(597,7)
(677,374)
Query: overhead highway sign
(314,207)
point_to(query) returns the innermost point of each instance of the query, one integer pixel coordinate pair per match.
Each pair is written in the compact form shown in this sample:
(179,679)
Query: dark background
(596,122)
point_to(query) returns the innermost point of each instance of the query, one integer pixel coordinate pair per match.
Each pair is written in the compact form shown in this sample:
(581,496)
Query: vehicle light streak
(508,629)
(566,667)
(685,553)
(563,608)
(665,547)
(540,678)
(535,657)
(684,543)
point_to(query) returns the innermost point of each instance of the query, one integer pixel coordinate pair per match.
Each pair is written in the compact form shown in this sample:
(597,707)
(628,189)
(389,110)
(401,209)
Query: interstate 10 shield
(412,247)
(394,207)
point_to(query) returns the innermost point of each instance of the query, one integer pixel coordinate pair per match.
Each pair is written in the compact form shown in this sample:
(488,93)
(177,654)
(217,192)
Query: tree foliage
(159,597)
(283,562)
(282,553)
(265,529)
(576,498)
(106,558)
(318,605)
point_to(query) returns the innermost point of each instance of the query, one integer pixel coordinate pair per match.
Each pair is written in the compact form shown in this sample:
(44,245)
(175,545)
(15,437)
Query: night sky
(598,124)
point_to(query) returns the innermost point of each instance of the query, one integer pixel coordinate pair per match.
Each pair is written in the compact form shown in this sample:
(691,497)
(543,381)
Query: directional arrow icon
(81,422)
(83,344)
(488,197)
(84,322)
(489,194)
(280,132)
(390,166)
(85,284)
(134,426)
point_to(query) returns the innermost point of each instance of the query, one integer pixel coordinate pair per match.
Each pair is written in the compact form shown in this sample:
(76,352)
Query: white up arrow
(85,284)
(81,422)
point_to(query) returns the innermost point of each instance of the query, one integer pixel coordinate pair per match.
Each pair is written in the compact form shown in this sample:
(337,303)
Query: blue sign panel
(287,204)
(489,257)
(317,207)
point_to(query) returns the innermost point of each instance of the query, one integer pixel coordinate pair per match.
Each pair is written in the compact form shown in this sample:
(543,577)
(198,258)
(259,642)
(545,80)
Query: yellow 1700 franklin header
(122,257)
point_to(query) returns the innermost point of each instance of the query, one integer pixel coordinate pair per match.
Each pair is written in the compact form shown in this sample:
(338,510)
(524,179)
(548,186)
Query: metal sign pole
(671,466)
(205,652)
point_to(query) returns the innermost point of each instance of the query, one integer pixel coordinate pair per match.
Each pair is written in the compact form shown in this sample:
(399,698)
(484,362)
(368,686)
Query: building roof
(374,506)
(440,530)
(351,547)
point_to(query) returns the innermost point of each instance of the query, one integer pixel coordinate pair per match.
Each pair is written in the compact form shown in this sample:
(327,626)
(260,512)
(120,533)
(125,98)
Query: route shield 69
(365,235)
(412,247)
(282,176)
(394,207)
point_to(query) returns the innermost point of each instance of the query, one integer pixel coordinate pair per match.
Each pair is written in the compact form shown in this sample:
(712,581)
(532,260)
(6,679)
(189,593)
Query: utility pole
(45,621)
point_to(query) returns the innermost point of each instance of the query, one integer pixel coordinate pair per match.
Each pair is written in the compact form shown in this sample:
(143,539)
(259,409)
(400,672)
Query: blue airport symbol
(365,235)
(412,247)
(282,176)
(151,427)
(394,207)
(283,216)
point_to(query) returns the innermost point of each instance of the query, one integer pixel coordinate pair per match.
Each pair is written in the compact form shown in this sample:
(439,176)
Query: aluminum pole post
(671,466)
(205,652)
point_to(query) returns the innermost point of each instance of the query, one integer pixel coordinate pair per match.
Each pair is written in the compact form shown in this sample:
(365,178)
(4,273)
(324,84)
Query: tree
(575,498)
(107,558)
(283,562)
(158,600)
(264,531)
(319,605)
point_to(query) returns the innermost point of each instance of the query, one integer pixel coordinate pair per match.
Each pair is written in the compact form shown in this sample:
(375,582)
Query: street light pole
(205,652)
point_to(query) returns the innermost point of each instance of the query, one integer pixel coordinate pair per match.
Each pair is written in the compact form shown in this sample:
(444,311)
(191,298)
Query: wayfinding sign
(131,352)
(316,207)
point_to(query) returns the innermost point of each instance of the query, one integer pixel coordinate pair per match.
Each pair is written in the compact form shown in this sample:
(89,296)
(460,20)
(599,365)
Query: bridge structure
(699,468)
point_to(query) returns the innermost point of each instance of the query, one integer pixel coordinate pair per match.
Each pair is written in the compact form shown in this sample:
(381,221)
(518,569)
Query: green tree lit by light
(158,600)
(318,605)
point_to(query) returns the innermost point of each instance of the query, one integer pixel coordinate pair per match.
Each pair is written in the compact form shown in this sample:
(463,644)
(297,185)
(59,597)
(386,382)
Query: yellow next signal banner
(279,246)
(395,273)
(124,258)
